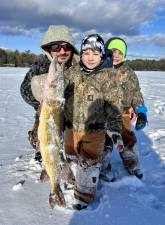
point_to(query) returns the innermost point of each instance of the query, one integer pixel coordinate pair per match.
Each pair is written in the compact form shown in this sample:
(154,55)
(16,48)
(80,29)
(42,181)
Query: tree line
(147,65)
(18,59)
(27,58)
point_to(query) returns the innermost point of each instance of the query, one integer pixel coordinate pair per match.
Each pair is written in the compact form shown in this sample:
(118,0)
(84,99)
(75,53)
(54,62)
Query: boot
(136,172)
(79,203)
(131,162)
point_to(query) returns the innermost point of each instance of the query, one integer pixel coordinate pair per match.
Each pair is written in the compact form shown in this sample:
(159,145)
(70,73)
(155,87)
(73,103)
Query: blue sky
(139,22)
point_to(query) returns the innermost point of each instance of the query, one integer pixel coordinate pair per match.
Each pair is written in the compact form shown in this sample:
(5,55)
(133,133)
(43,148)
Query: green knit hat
(118,43)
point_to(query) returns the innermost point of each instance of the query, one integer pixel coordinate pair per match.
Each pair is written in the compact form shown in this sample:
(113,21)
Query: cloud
(107,17)
(157,39)
(16,30)
(4,48)
(116,17)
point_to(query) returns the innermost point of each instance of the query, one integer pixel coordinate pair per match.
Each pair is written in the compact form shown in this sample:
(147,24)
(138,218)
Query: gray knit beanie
(58,33)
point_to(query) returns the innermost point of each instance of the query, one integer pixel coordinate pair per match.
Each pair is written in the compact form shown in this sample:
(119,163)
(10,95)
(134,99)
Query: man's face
(63,51)
(91,58)
(117,57)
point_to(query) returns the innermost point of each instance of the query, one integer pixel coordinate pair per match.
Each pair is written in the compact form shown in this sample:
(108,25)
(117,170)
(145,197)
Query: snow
(127,201)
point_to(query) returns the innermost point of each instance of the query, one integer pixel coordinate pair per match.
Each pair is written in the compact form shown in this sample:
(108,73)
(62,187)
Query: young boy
(93,104)
(132,99)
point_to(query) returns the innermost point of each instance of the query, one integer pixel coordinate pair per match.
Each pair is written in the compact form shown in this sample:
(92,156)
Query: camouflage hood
(57,33)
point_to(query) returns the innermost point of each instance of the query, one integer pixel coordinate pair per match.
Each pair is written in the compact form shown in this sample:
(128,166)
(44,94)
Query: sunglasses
(57,47)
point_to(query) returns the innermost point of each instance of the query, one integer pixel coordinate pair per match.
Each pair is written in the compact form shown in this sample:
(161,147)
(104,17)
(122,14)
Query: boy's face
(91,58)
(117,56)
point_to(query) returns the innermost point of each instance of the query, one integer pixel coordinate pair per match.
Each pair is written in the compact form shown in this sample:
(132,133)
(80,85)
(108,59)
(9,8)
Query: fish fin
(57,198)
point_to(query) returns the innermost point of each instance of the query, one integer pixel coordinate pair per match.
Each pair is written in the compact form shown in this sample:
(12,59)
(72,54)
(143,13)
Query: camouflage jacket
(93,101)
(132,95)
(25,89)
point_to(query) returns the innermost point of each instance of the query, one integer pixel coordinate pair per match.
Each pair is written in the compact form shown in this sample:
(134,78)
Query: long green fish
(49,131)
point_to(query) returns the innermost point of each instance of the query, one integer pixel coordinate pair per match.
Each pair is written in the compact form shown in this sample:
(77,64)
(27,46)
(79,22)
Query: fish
(50,129)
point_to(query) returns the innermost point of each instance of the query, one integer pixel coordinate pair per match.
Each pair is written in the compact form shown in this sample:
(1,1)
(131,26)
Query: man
(132,99)
(57,41)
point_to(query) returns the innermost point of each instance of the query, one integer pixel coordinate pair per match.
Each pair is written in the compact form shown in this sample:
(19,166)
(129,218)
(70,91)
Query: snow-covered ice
(127,201)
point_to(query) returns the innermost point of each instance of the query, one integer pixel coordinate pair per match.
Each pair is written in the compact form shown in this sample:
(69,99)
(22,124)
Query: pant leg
(88,149)
(108,143)
(130,159)
(129,155)
(92,146)
(33,134)
(88,146)
(70,143)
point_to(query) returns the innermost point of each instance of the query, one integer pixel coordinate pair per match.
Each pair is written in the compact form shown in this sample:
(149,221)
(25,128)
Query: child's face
(91,58)
(117,57)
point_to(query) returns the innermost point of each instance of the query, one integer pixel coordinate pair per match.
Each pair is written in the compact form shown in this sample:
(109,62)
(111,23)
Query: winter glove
(117,139)
(141,117)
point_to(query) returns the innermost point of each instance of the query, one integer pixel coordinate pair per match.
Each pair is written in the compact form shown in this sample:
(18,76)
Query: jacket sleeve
(25,89)
(137,96)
